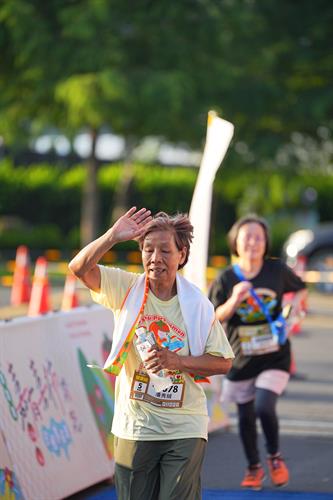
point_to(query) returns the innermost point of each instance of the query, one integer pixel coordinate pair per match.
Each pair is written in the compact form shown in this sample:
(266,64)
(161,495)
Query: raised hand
(130,225)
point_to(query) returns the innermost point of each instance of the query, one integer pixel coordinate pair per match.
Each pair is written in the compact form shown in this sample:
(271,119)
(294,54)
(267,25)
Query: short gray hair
(178,224)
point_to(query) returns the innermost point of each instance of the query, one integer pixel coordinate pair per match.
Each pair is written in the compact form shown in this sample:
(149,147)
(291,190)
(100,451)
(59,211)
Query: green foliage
(24,188)
(157,67)
(41,237)
(281,225)
(165,189)
(73,178)
(324,189)
(110,176)
(47,200)
(36,195)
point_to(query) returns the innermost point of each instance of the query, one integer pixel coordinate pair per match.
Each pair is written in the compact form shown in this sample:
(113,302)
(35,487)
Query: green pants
(158,470)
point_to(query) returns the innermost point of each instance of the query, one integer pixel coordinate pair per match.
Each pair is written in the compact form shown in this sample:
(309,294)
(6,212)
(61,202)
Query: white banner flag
(219,135)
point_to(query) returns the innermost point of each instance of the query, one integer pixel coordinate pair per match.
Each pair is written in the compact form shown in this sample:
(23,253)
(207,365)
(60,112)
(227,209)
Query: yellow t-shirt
(141,413)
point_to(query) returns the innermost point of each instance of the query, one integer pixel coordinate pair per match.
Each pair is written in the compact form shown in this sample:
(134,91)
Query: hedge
(40,204)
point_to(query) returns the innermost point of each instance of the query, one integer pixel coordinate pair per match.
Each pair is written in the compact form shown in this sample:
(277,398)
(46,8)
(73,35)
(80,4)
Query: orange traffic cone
(70,298)
(296,327)
(21,288)
(39,301)
(292,368)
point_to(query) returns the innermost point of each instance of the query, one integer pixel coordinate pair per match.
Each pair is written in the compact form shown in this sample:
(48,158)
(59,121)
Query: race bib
(143,390)
(257,339)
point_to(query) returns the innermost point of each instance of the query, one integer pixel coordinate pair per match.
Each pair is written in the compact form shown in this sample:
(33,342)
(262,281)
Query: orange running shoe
(278,471)
(253,478)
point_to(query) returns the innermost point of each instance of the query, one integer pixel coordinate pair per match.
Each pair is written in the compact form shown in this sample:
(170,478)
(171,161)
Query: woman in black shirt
(248,300)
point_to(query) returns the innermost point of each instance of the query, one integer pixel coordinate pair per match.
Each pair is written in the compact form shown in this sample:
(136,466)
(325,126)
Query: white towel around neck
(197,311)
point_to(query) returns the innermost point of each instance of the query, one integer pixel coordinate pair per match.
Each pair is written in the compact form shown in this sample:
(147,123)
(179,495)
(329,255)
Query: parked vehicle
(312,250)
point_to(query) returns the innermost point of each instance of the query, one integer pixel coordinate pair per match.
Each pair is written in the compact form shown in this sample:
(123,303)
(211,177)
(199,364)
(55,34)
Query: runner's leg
(181,469)
(265,406)
(137,469)
(248,431)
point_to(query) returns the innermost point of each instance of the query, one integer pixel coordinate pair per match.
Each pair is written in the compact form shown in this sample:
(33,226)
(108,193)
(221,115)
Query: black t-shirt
(274,279)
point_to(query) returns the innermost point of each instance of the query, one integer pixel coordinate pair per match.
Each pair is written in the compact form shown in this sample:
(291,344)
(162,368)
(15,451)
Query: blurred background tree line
(146,69)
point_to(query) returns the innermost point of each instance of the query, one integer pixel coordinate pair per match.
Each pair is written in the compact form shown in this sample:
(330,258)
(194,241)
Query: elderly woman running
(165,341)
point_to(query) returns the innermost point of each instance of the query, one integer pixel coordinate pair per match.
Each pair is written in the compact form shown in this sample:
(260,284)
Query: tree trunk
(90,197)
(121,203)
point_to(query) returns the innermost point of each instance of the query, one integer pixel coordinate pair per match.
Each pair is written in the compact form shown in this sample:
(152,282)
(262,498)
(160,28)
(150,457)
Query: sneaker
(253,478)
(278,471)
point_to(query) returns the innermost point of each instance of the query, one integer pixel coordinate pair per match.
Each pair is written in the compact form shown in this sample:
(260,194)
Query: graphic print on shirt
(155,329)
(165,333)
(257,339)
(250,311)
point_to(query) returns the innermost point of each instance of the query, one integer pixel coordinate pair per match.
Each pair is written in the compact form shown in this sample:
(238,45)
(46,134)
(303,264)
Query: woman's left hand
(161,358)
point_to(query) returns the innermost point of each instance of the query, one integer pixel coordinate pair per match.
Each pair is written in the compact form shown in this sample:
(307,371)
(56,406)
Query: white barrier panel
(56,413)
(218,415)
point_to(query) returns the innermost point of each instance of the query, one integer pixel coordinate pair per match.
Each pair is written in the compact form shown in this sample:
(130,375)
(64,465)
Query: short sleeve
(114,287)
(217,342)
(291,282)
(217,293)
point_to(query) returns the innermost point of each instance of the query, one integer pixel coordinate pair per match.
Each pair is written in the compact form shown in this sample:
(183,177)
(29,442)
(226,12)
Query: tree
(156,68)
(117,64)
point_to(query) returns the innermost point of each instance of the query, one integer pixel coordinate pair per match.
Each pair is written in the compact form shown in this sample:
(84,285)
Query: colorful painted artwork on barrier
(90,336)
(41,405)
(9,487)
(101,398)
(46,415)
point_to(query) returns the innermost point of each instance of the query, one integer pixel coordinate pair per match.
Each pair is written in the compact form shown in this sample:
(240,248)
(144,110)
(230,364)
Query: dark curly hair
(178,224)
(247,219)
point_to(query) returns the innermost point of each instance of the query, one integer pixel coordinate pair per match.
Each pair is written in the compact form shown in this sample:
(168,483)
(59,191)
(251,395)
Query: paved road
(309,460)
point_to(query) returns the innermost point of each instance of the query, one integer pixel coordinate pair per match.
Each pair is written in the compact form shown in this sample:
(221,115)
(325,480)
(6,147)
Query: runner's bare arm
(206,364)
(129,226)
(84,264)
(297,308)
(239,292)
